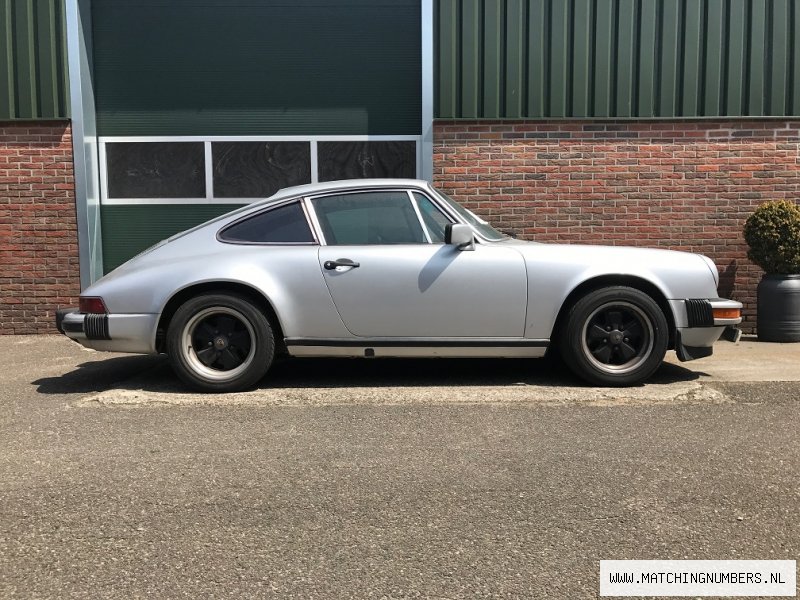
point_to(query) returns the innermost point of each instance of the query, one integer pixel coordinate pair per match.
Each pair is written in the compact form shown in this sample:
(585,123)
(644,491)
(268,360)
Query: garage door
(204,105)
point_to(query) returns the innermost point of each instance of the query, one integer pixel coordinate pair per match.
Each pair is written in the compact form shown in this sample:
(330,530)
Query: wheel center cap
(615,337)
(220,343)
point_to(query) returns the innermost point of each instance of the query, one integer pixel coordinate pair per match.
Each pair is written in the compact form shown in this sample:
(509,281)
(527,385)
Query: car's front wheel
(615,336)
(220,343)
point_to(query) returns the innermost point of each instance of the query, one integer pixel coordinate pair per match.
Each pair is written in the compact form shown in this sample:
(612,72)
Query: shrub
(773,234)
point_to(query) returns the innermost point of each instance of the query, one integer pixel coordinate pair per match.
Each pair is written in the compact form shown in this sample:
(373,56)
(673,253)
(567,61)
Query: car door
(390,275)
(275,251)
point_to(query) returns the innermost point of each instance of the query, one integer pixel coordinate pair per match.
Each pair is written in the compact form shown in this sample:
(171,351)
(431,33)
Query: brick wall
(38,238)
(684,185)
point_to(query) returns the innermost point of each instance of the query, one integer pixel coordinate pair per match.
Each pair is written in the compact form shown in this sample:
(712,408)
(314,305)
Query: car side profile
(394,268)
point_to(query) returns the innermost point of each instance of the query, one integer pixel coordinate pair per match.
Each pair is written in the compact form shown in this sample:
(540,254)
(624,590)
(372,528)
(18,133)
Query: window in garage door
(153,187)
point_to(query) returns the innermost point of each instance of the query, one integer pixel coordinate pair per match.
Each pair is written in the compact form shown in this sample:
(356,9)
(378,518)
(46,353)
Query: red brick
(38,247)
(686,185)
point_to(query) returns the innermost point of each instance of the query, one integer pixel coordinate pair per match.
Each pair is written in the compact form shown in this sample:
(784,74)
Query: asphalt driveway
(396,479)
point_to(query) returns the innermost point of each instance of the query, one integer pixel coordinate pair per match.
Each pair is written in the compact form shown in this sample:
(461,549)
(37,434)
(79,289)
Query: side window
(368,218)
(433,219)
(283,225)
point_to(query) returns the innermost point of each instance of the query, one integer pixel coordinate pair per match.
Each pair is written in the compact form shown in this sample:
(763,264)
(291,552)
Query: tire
(614,336)
(220,343)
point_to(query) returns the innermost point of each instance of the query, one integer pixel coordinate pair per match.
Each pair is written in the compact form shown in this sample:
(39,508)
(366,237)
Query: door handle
(330,265)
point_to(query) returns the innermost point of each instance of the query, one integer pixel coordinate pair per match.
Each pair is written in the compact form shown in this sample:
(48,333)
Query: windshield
(479,225)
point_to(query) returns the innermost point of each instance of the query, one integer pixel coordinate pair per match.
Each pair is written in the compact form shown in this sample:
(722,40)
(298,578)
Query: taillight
(92,305)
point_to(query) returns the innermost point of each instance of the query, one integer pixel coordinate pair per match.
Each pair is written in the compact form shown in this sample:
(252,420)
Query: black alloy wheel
(220,343)
(615,336)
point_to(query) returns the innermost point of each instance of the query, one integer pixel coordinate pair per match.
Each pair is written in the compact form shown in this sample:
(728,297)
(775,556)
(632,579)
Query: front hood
(677,274)
(598,254)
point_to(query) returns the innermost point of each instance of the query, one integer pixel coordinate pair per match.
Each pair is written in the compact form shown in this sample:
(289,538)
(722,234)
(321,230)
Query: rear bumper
(697,329)
(92,327)
(112,333)
(60,314)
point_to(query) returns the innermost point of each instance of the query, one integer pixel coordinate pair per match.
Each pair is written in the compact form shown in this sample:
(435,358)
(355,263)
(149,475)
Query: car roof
(311,189)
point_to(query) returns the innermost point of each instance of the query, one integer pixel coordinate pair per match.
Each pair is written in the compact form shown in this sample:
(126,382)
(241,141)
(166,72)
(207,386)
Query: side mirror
(460,236)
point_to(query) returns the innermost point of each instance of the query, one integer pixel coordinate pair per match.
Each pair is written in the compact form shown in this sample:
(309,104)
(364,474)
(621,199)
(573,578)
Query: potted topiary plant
(773,234)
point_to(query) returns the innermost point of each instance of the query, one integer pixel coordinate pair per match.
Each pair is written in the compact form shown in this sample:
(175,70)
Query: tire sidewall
(571,342)
(263,341)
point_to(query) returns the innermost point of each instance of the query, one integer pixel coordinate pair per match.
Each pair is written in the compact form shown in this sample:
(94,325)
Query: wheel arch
(241,289)
(632,281)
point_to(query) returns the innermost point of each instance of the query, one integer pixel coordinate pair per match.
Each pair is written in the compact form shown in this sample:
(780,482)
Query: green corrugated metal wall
(265,67)
(33,69)
(135,227)
(617,58)
(526,58)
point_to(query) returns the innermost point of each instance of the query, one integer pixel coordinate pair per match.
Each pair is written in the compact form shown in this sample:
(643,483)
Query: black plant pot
(779,308)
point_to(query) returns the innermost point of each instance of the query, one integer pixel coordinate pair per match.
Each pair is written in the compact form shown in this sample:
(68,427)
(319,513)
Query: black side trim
(60,314)
(699,313)
(692,352)
(732,334)
(366,343)
(686,353)
(96,327)
(72,327)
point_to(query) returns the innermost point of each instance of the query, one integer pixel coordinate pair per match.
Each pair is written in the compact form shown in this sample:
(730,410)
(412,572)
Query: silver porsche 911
(375,268)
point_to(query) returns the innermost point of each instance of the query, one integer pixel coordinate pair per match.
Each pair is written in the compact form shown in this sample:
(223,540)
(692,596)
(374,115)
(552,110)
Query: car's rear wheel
(220,343)
(615,336)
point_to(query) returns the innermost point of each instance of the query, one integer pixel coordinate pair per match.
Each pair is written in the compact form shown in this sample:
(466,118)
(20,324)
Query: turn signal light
(726,313)
(92,305)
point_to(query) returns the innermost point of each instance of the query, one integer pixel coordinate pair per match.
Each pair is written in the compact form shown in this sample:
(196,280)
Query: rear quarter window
(283,225)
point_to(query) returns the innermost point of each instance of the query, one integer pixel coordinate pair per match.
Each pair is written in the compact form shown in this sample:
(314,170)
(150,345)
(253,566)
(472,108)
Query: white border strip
(103,172)
(261,138)
(314,162)
(426,146)
(84,142)
(193,201)
(209,169)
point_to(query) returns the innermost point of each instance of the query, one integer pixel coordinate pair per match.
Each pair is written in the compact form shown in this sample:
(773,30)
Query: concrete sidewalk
(116,379)
(55,364)
(747,360)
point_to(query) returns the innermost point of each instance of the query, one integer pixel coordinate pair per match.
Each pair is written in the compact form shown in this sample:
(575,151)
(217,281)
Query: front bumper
(696,327)
(112,333)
